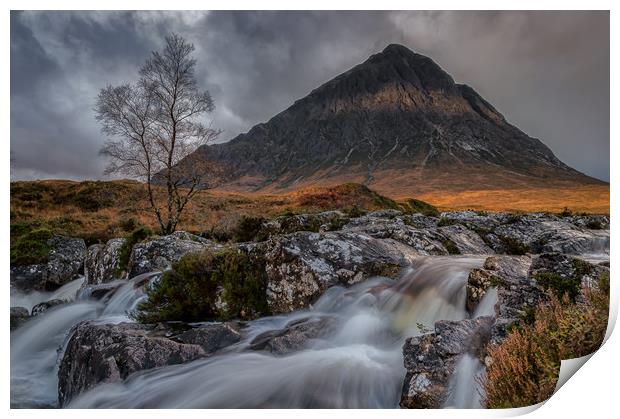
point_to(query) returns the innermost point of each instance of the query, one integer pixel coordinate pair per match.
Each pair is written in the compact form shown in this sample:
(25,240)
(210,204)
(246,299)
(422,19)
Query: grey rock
(294,336)
(102,262)
(19,315)
(110,353)
(159,253)
(301,266)
(323,221)
(46,305)
(430,359)
(65,262)
(211,337)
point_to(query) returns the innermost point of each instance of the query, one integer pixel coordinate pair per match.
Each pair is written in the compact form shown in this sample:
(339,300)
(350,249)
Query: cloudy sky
(547,72)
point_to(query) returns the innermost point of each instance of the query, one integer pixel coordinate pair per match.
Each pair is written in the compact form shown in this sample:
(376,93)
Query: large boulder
(19,315)
(110,353)
(65,262)
(159,253)
(294,336)
(431,359)
(301,266)
(102,262)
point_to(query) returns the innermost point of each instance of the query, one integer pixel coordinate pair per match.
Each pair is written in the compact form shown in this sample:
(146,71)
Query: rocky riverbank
(517,259)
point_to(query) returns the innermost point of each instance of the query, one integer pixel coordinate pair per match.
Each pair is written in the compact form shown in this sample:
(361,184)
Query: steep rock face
(397,116)
(110,353)
(65,262)
(301,266)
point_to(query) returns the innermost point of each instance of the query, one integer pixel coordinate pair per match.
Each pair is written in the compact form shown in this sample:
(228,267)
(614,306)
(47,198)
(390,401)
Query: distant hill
(397,123)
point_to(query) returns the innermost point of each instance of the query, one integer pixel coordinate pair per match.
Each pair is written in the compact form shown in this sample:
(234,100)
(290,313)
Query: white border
(591,393)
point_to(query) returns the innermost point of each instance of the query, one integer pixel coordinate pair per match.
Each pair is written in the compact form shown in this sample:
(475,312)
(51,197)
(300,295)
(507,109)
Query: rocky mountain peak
(397,123)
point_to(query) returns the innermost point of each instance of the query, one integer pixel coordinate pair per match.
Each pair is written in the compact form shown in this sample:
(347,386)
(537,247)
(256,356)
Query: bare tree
(155,123)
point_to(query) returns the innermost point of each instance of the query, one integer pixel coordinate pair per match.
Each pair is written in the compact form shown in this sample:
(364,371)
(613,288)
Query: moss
(513,218)
(205,286)
(582,268)
(31,248)
(514,246)
(414,206)
(247,229)
(124,253)
(595,225)
(451,247)
(496,281)
(570,285)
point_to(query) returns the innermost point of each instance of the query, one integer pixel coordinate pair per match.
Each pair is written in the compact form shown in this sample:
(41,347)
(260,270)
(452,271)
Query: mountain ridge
(396,122)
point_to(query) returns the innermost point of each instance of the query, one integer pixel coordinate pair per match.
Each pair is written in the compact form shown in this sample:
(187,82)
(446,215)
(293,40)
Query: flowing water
(37,346)
(360,364)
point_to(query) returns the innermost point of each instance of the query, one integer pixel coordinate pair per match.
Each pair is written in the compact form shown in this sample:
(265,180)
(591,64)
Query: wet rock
(110,353)
(102,261)
(46,305)
(301,266)
(517,292)
(19,315)
(212,337)
(294,336)
(65,262)
(101,291)
(466,241)
(478,282)
(430,359)
(159,253)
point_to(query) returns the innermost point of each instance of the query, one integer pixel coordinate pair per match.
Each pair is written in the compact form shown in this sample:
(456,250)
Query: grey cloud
(548,72)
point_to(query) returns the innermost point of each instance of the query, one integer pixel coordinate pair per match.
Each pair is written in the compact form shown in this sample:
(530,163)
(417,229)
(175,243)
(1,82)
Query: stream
(358,365)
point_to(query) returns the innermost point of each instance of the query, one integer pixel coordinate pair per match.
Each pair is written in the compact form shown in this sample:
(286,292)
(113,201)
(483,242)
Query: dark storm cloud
(548,72)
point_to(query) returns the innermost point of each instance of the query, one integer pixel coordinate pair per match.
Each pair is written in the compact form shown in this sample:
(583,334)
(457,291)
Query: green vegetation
(138,235)
(247,229)
(595,225)
(451,247)
(207,285)
(414,206)
(514,246)
(526,365)
(31,247)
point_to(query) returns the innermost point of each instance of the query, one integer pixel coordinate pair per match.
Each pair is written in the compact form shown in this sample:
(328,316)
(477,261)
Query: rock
(301,266)
(46,305)
(467,241)
(294,336)
(65,261)
(110,353)
(211,337)
(430,359)
(323,221)
(516,291)
(19,315)
(102,261)
(159,253)
(101,291)
(478,282)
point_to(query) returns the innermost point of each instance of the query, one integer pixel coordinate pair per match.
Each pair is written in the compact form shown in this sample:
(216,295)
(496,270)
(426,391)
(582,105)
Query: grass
(526,365)
(514,246)
(99,211)
(31,248)
(206,286)
(414,206)
(451,247)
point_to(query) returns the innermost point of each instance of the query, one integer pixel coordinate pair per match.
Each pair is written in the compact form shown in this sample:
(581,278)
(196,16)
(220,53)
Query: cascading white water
(36,346)
(29,300)
(359,365)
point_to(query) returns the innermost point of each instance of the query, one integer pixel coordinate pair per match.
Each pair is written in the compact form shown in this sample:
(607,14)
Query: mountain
(397,123)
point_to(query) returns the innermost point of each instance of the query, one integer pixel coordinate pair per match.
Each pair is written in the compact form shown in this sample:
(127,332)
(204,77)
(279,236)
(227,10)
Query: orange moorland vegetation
(98,210)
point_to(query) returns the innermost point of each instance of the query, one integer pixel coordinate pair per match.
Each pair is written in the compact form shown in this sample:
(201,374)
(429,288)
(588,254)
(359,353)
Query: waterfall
(359,365)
